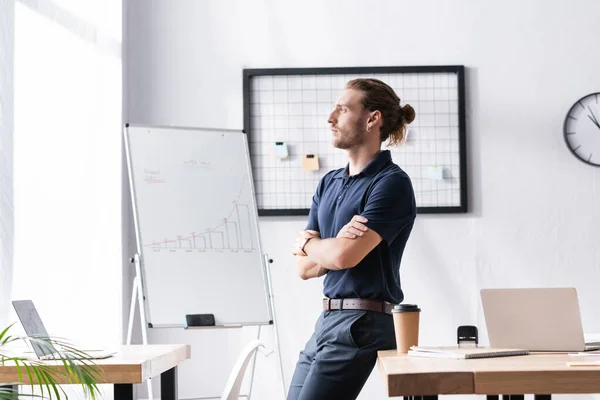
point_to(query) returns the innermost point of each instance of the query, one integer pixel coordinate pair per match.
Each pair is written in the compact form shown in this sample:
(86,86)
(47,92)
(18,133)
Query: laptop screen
(32,323)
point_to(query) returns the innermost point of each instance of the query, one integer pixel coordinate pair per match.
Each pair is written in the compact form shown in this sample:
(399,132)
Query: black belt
(357,304)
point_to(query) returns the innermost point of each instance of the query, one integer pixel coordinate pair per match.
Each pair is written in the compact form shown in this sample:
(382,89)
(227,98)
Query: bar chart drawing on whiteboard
(233,233)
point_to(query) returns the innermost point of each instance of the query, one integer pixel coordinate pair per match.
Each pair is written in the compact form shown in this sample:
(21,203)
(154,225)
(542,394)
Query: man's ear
(373,120)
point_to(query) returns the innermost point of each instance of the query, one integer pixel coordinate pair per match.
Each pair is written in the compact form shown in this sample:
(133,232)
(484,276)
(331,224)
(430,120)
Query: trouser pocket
(360,330)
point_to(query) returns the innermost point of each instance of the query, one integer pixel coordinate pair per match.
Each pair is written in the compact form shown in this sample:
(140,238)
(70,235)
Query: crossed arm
(352,244)
(307,269)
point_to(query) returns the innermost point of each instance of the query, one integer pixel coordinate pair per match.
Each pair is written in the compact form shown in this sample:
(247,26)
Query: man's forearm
(328,253)
(307,269)
(340,252)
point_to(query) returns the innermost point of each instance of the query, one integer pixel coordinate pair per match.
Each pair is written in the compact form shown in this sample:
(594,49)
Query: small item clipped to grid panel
(435,172)
(310,162)
(279,150)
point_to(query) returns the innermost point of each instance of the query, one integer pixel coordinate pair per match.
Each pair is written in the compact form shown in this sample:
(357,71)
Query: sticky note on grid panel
(435,172)
(310,162)
(279,150)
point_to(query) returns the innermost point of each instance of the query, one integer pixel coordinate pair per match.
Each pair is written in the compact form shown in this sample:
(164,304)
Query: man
(359,223)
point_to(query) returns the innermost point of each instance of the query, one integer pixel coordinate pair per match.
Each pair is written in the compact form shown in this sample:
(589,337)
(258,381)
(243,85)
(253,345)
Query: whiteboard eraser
(199,320)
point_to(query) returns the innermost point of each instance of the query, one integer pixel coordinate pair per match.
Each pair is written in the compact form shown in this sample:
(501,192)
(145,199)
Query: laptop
(32,323)
(536,319)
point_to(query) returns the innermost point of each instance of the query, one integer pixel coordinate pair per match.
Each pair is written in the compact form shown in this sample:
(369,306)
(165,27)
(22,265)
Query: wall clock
(581,129)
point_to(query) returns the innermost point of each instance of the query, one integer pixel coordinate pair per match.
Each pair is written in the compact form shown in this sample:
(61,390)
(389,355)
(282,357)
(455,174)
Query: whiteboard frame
(459,70)
(140,256)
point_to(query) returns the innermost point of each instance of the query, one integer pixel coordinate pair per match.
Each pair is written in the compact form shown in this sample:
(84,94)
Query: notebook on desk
(33,326)
(466,353)
(537,319)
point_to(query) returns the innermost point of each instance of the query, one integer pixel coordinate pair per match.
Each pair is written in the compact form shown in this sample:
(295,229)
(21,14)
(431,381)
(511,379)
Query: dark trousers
(340,355)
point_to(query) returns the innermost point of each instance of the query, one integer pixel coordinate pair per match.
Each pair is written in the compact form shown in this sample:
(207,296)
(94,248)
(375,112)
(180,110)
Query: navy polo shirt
(382,192)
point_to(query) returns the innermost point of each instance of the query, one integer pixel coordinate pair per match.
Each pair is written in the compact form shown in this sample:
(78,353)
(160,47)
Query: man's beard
(350,138)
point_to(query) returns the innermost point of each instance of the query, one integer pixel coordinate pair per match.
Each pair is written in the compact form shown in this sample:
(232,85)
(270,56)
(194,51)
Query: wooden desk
(133,364)
(539,374)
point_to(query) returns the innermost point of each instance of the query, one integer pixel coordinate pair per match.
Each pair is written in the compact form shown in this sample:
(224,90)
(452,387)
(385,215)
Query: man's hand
(300,240)
(354,228)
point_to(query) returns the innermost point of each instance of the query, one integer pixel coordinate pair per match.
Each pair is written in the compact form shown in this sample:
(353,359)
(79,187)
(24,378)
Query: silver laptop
(540,319)
(32,323)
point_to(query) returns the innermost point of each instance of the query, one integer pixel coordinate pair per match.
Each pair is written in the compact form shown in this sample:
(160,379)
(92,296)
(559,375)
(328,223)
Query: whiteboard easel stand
(136,292)
(275,325)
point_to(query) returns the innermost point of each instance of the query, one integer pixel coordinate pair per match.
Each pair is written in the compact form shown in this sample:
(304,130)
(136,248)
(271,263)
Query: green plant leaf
(78,368)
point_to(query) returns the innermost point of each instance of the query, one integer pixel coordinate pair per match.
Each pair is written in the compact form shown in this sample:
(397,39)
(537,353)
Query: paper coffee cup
(406,326)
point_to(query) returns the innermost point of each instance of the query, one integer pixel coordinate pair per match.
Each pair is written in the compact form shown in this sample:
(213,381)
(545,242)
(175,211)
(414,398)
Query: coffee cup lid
(406,308)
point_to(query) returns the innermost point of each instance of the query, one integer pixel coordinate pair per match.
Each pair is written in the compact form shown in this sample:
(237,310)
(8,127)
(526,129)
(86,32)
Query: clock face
(582,129)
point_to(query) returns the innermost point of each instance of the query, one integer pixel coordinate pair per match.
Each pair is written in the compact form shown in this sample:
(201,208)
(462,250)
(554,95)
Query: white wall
(7,38)
(534,215)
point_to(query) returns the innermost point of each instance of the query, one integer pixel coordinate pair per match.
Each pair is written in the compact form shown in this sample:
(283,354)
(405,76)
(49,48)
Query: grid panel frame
(292,105)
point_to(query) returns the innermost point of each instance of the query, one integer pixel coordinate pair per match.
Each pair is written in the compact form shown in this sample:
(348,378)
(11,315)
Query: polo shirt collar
(375,166)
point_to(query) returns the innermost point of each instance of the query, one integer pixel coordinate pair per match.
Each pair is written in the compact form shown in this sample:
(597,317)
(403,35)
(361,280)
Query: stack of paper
(466,353)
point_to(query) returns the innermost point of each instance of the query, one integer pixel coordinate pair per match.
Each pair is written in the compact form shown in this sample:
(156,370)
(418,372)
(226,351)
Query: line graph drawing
(234,232)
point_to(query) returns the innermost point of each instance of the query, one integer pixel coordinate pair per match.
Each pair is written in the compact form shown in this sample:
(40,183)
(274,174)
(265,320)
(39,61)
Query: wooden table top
(132,364)
(532,374)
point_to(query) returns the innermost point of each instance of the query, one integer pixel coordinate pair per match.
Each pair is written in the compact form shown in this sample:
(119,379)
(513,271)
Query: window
(67,166)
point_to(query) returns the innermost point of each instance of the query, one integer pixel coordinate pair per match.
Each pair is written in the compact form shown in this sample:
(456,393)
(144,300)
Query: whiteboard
(196,225)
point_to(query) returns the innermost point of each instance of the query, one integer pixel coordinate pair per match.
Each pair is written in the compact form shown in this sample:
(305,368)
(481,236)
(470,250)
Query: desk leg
(168,384)
(123,391)
(10,388)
